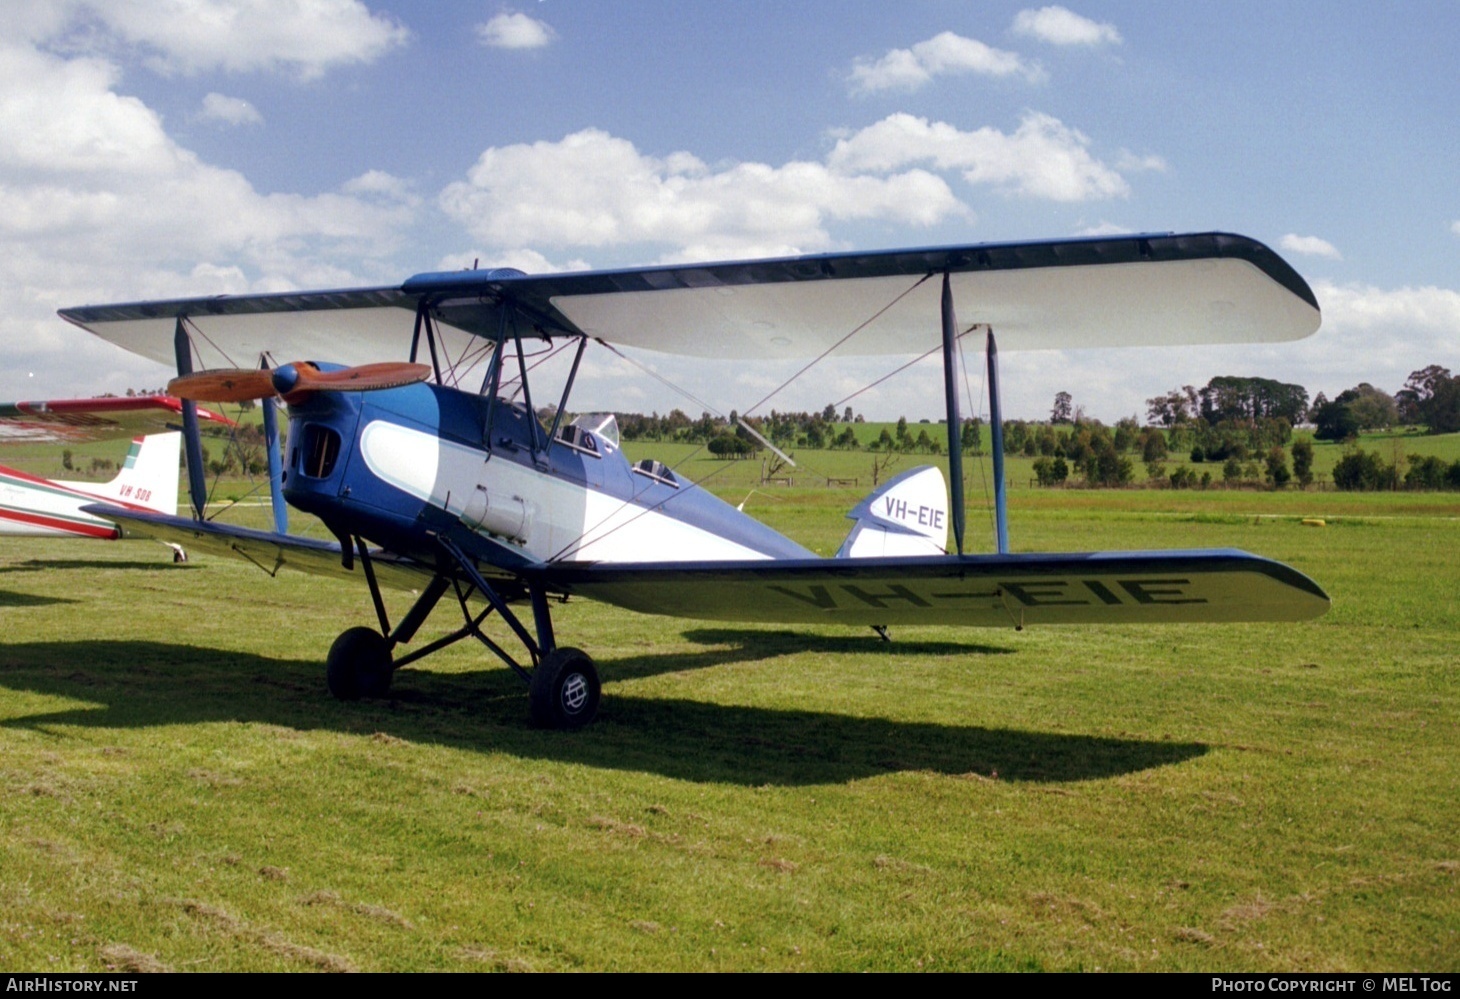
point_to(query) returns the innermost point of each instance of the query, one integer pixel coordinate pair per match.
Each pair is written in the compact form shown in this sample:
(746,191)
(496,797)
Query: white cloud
(527,261)
(943,54)
(383,186)
(1455,227)
(1311,246)
(99,203)
(594,189)
(1061,26)
(1380,335)
(1103,229)
(1043,158)
(1131,163)
(229,111)
(515,31)
(303,37)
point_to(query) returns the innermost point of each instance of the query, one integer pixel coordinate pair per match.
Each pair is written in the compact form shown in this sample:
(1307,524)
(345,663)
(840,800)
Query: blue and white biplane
(466,493)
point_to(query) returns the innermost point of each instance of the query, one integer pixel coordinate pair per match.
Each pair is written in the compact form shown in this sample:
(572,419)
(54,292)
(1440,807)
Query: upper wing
(1143,290)
(1217,585)
(81,420)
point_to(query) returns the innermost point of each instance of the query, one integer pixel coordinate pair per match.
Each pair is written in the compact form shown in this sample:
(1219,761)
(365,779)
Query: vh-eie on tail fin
(906,516)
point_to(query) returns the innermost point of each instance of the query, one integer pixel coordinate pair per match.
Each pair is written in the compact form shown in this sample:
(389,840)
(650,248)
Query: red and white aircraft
(31,505)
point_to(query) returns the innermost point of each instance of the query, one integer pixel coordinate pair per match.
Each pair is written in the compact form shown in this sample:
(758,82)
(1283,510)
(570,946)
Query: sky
(168,148)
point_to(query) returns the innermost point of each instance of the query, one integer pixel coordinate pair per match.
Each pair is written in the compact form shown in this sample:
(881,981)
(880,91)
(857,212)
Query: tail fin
(906,516)
(148,478)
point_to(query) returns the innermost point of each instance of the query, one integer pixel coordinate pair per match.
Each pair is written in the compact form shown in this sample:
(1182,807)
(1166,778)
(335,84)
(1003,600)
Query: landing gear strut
(563,685)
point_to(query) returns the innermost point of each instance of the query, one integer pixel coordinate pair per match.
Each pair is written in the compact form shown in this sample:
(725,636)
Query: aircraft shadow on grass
(10,598)
(43,565)
(747,645)
(155,684)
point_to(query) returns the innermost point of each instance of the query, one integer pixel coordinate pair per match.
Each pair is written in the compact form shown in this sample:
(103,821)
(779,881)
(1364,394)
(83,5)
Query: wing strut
(276,461)
(955,425)
(197,484)
(996,424)
(567,388)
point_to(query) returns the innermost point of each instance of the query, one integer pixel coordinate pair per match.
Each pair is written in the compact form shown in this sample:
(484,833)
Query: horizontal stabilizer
(1216,585)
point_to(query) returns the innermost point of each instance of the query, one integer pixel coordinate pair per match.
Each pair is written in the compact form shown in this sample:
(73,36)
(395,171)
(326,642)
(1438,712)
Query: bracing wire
(853,332)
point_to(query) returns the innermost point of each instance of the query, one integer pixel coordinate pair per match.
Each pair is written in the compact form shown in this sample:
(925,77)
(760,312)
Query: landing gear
(564,690)
(358,665)
(563,686)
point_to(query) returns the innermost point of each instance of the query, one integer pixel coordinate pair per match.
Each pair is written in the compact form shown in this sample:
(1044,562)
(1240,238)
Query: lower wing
(265,549)
(1215,585)
(1218,585)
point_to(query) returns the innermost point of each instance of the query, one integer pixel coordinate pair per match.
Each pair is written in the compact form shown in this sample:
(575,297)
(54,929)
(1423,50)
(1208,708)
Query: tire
(358,665)
(565,690)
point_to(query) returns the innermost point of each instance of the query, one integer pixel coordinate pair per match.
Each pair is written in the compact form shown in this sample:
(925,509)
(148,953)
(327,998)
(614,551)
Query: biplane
(35,506)
(444,490)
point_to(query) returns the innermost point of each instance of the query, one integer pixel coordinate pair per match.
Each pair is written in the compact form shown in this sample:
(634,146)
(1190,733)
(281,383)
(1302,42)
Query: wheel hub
(575,693)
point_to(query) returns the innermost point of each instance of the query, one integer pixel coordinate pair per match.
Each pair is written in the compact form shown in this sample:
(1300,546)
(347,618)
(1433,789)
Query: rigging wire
(648,509)
(194,328)
(854,331)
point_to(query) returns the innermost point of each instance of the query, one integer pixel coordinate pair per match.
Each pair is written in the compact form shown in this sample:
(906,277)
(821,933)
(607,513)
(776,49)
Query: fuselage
(399,466)
(36,507)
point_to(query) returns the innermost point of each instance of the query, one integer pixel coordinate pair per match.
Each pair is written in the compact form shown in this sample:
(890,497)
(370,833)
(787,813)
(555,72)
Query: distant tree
(1229,397)
(1063,410)
(971,436)
(727,445)
(1431,396)
(1363,471)
(1127,432)
(1182,477)
(66,459)
(1050,471)
(1277,473)
(1153,446)
(1303,462)
(829,413)
(1373,408)
(1418,389)
(1231,471)
(847,416)
(1333,421)
(1429,472)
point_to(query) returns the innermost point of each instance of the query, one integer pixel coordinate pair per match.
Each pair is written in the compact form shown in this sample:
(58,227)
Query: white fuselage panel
(565,520)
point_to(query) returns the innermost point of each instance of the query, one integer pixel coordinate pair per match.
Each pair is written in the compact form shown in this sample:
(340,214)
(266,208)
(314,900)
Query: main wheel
(358,665)
(565,690)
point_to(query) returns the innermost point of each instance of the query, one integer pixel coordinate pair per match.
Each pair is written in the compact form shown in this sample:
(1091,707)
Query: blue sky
(155,148)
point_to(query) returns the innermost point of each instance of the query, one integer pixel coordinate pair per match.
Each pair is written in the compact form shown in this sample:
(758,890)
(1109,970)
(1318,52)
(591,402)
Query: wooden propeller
(293,382)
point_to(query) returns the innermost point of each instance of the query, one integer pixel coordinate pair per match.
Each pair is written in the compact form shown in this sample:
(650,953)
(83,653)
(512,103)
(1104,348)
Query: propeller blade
(361,378)
(224,385)
(293,381)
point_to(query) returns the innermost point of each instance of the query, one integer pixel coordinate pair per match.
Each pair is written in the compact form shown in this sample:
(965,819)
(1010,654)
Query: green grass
(179,791)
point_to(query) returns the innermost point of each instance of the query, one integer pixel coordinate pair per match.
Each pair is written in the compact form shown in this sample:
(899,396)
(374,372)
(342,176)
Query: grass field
(180,792)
